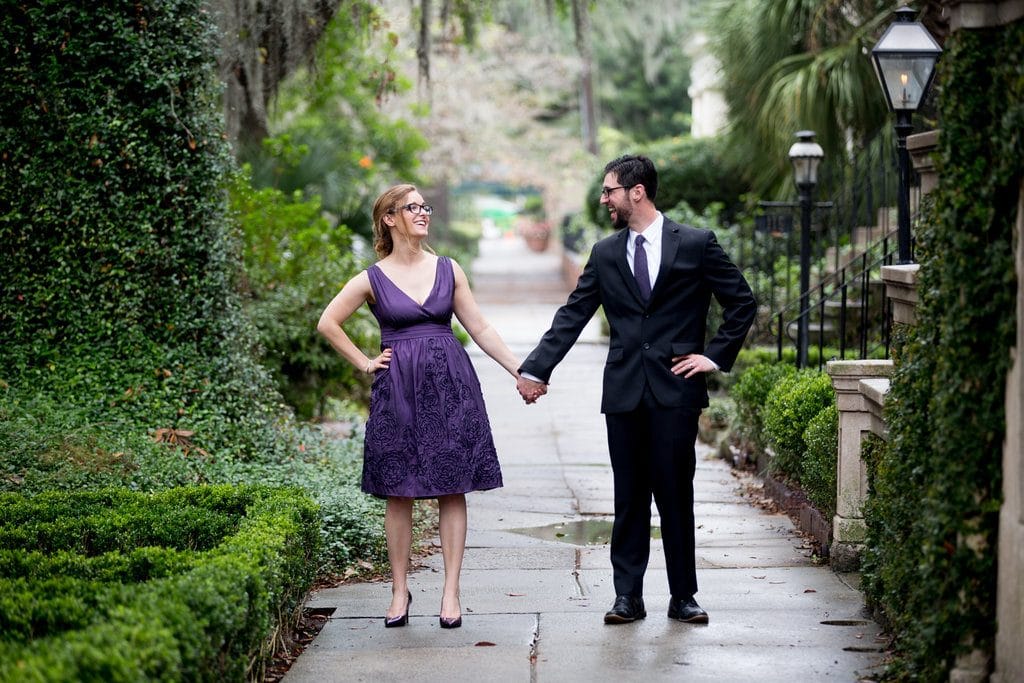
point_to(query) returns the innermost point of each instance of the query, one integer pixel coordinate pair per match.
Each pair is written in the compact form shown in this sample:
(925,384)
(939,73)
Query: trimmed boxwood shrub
(791,405)
(152,613)
(751,393)
(818,476)
(44,447)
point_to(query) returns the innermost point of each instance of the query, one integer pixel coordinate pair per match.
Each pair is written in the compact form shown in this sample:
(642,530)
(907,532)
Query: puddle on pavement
(581,532)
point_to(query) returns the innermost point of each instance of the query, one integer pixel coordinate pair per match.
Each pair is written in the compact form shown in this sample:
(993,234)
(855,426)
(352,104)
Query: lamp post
(904,60)
(805,154)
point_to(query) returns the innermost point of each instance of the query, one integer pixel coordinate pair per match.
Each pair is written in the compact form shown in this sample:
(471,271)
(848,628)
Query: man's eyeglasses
(607,191)
(415,209)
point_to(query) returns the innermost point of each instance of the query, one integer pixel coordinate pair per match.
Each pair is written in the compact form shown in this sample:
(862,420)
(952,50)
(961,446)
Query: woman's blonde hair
(383,243)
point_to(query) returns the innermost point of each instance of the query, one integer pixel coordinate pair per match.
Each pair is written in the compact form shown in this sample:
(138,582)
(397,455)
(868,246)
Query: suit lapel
(669,246)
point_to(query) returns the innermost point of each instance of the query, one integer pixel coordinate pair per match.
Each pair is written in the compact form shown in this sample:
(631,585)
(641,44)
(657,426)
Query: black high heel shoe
(392,622)
(450,623)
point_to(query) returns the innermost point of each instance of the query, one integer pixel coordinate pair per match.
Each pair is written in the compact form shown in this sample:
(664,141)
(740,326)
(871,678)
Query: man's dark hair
(633,169)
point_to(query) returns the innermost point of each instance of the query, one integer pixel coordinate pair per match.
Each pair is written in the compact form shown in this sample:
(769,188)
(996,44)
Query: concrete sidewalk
(537,577)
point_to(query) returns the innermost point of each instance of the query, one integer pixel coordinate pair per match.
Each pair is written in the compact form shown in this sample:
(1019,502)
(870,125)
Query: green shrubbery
(932,518)
(184,584)
(819,477)
(788,410)
(750,392)
(46,445)
(128,360)
(120,267)
(791,414)
(294,265)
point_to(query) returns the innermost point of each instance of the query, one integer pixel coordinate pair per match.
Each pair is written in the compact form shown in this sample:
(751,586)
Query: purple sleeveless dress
(428,433)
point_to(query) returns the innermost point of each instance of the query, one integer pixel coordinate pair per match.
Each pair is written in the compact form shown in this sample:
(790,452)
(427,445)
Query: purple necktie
(643,277)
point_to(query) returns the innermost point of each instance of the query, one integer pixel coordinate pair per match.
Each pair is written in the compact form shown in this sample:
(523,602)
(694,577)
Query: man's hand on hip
(691,364)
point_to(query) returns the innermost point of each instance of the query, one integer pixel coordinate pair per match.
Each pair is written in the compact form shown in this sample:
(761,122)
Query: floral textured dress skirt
(428,433)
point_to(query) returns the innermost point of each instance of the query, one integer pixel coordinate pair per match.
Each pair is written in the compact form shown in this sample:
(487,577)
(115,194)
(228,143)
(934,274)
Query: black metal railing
(853,236)
(849,315)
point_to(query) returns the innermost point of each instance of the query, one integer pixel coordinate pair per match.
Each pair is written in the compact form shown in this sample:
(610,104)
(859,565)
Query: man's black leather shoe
(686,609)
(627,608)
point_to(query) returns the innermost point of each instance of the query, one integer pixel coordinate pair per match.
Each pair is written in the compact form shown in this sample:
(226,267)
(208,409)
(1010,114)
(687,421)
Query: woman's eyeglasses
(415,209)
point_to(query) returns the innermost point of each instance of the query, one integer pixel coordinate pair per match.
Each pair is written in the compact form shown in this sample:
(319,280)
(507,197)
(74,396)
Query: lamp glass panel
(905,78)
(805,170)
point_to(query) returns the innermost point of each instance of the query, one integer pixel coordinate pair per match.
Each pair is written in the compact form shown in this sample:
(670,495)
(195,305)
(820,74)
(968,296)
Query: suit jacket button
(646,346)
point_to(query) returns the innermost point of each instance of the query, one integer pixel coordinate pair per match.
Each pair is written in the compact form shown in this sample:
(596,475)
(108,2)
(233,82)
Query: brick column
(860,387)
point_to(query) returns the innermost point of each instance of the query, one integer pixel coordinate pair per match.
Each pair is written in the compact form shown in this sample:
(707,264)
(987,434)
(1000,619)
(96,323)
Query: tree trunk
(423,48)
(588,116)
(262,41)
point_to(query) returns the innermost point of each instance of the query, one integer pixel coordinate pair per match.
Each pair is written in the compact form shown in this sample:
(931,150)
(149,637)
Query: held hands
(530,390)
(691,364)
(378,362)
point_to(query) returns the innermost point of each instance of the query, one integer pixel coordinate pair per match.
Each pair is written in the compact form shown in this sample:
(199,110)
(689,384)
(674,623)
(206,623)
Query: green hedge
(792,413)
(791,405)
(818,470)
(120,312)
(750,392)
(932,521)
(160,605)
(45,446)
(121,269)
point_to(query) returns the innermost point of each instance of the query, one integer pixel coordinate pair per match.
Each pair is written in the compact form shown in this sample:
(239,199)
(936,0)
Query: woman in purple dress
(427,435)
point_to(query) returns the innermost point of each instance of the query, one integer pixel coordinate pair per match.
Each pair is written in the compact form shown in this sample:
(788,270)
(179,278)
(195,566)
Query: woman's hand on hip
(379,362)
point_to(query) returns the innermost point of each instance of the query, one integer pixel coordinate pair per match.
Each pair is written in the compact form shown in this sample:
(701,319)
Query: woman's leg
(452,512)
(398,532)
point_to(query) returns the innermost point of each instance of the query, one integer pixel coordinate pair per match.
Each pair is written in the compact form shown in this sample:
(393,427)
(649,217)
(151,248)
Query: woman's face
(409,224)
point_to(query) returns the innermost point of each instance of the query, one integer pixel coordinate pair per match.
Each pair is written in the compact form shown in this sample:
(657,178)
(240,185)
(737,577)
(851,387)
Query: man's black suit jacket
(645,337)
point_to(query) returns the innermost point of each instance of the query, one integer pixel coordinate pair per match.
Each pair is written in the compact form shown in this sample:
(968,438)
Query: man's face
(620,209)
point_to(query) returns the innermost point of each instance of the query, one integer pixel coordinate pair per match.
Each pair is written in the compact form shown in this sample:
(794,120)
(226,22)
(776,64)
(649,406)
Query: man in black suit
(655,279)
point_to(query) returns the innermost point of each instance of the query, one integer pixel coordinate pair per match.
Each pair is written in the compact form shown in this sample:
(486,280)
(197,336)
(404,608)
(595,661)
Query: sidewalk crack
(577,564)
(534,648)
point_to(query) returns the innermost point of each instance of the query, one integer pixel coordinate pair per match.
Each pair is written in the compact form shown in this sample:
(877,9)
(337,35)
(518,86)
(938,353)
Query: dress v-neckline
(433,287)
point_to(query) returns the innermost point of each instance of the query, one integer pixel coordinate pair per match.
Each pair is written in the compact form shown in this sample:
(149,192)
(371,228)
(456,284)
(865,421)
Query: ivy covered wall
(930,564)
(118,286)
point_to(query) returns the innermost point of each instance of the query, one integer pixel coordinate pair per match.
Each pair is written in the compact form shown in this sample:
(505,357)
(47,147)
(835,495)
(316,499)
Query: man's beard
(621,219)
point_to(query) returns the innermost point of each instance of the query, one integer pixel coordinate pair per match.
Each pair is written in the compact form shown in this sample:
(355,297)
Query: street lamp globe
(805,154)
(904,60)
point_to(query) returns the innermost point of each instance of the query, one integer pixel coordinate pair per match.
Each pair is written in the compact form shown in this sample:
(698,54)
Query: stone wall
(1010,592)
